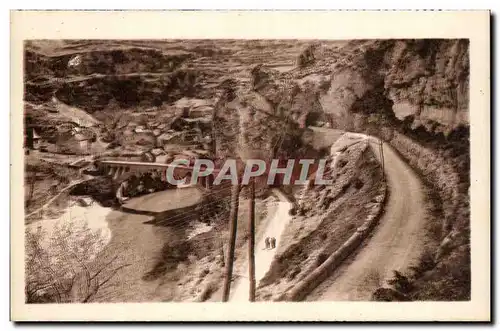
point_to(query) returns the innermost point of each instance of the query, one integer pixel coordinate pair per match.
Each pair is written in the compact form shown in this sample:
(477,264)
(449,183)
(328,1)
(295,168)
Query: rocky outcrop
(300,290)
(427,79)
(112,60)
(430,80)
(93,78)
(331,221)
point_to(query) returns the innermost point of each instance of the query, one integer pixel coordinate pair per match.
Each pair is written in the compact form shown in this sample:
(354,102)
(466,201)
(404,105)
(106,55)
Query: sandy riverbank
(77,217)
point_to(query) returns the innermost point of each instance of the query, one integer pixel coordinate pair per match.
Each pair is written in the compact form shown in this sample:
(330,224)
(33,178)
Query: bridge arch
(209,181)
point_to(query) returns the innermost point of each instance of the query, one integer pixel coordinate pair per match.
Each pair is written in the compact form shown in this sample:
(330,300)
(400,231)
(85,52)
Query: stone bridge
(121,170)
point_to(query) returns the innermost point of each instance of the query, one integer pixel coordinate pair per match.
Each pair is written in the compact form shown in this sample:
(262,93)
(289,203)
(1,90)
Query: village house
(85,138)
(170,138)
(164,159)
(32,140)
(37,140)
(201,111)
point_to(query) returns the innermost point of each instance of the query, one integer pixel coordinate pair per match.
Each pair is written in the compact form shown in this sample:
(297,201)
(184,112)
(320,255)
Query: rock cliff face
(421,85)
(262,121)
(425,79)
(430,79)
(123,60)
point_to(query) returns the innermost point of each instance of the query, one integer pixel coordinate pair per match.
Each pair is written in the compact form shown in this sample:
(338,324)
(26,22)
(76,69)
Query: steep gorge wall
(430,79)
(91,80)
(417,100)
(413,94)
(425,79)
(421,109)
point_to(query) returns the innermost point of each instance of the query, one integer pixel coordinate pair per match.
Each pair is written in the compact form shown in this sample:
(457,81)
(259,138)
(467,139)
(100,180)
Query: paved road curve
(396,241)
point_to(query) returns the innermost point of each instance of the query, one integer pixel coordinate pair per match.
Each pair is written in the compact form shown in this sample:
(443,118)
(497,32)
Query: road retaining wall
(300,290)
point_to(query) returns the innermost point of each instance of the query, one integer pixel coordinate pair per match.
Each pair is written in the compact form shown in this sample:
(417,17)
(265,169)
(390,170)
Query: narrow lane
(263,257)
(396,242)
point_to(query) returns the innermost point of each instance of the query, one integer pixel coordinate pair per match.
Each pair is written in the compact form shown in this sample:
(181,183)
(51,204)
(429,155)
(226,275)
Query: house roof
(189,154)
(80,137)
(164,159)
(203,108)
(83,135)
(36,135)
(157,151)
(188,102)
(168,136)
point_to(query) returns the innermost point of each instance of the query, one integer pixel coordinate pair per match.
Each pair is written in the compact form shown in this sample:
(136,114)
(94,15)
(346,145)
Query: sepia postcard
(250,166)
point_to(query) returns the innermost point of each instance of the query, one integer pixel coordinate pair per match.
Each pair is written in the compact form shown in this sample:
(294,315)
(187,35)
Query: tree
(221,237)
(306,57)
(31,186)
(66,266)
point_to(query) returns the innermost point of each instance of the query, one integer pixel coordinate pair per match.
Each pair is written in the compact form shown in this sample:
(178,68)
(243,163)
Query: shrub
(425,263)
(388,294)
(400,282)
(64,266)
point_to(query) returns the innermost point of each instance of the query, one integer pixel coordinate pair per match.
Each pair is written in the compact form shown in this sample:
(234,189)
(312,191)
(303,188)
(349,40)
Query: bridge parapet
(119,170)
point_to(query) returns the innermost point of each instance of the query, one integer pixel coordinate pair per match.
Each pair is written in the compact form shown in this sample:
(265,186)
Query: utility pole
(214,133)
(251,241)
(233,219)
(381,149)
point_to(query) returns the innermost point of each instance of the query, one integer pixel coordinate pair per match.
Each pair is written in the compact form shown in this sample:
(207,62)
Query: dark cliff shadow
(174,217)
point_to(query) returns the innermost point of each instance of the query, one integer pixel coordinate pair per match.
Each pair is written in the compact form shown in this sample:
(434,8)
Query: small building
(140,129)
(201,111)
(157,151)
(85,138)
(128,133)
(164,159)
(75,61)
(83,142)
(37,140)
(170,138)
(190,154)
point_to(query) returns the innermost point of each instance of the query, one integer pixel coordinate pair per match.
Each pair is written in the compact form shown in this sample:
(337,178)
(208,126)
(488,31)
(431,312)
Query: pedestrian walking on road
(268,243)
(273,243)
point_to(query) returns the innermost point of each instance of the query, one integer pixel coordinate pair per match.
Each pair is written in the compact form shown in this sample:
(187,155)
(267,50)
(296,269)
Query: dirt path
(396,242)
(263,257)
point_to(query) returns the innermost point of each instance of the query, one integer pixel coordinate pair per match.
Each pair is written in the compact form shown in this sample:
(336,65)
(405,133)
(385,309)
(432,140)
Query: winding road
(395,243)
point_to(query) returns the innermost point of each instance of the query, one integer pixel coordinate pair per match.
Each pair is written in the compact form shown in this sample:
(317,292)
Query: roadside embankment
(327,216)
(316,277)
